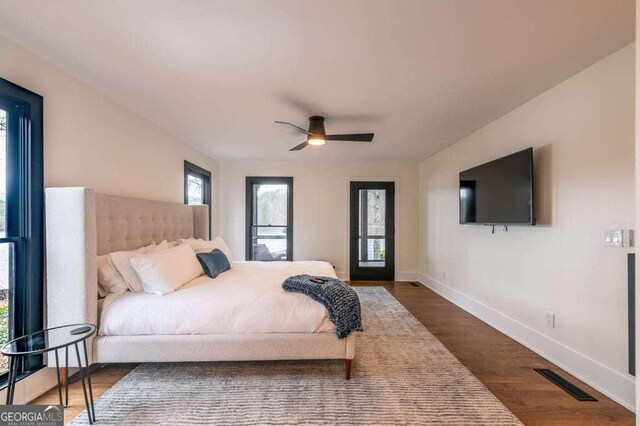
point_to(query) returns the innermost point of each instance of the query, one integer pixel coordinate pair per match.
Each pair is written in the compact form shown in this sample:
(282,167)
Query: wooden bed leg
(347,368)
(63,376)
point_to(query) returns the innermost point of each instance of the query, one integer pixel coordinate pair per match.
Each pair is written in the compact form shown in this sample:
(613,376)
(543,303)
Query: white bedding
(246,299)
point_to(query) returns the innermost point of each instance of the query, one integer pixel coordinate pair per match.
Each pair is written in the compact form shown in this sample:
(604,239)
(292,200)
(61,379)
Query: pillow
(121,261)
(109,279)
(224,247)
(198,243)
(201,246)
(165,271)
(214,263)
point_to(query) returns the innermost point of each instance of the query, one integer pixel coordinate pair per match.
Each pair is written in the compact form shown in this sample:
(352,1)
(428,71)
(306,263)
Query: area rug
(401,375)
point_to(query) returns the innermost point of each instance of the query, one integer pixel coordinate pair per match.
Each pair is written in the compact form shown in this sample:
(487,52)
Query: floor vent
(567,386)
(415,284)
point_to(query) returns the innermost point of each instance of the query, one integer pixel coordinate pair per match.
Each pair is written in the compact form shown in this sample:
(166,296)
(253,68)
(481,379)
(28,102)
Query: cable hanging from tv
(505,228)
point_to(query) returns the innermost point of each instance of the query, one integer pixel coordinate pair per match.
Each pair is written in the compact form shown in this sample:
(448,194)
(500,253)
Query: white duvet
(246,299)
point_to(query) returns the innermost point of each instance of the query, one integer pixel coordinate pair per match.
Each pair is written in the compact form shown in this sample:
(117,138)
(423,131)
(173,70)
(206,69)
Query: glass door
(372,231)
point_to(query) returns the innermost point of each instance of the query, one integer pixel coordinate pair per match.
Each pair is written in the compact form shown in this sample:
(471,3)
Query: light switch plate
(618,238)
(613,238)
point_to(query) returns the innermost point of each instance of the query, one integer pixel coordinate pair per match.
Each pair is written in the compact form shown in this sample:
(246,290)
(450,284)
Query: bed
(242,315)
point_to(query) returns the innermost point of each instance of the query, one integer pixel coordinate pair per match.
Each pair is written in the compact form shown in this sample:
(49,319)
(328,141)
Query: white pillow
(224,247)
(109,279)
(165,271)
(194,242)
(121,261)
(201,246)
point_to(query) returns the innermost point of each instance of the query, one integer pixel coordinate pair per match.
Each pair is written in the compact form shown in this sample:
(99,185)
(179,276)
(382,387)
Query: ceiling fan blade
(300,129)
(356,137)
(299,147)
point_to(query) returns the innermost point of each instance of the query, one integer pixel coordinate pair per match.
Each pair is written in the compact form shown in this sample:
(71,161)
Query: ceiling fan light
(316,141)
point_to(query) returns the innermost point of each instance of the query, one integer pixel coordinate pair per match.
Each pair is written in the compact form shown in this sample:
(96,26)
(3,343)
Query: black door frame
(356,272)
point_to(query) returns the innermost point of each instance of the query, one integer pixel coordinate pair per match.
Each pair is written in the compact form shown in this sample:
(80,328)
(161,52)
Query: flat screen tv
(499,192)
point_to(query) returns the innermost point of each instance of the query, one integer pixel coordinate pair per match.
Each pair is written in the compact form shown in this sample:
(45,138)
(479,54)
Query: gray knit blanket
(341,301)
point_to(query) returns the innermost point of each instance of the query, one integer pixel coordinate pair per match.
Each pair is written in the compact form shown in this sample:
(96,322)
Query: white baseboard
(407,276)
(619,387)
(33,386)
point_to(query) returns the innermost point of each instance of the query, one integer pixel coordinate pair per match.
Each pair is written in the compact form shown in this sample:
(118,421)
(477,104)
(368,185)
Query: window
(269,217)
(21,218)
(197,187)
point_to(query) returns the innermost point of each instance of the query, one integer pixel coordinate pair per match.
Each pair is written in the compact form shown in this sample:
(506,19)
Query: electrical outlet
(443,275)
(550,319)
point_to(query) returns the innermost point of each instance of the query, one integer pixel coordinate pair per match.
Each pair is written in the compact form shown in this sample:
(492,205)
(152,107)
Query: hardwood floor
(502,364)
(103,377)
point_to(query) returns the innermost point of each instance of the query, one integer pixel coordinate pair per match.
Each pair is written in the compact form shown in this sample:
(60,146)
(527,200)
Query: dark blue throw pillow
(213,263)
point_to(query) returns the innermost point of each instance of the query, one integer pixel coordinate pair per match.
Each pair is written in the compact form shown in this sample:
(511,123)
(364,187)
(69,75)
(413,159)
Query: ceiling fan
(316,134)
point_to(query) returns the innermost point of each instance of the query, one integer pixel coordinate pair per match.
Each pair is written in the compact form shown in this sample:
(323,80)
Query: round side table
(53,340)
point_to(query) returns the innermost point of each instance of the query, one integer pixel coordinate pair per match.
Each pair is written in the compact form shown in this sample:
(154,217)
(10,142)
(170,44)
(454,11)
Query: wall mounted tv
(499,192)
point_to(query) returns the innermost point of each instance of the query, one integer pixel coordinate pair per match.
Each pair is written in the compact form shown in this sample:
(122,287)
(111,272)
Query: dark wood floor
(502,364)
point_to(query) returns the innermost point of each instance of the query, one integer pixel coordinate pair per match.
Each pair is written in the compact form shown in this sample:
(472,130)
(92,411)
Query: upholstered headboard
(80,225)
(129,223)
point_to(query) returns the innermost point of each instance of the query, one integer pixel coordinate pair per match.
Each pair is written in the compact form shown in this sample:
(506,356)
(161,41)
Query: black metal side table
(52,340)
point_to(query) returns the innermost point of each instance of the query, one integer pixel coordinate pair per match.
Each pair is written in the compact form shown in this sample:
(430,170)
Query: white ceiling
(420,74)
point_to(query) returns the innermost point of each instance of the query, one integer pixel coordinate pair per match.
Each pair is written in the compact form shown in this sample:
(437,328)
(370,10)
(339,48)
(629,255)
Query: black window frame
(25,216)
(205,175)
(250,212)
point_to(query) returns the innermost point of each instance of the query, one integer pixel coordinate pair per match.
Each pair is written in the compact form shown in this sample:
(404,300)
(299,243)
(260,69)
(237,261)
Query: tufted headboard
(80,225)
(129,223)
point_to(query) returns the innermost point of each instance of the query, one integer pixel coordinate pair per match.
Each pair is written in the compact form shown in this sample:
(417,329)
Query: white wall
(321,209)
(583,133)
(89,140)
(92,141)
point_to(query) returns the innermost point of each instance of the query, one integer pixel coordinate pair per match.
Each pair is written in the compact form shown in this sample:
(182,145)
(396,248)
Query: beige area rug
(401,375)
